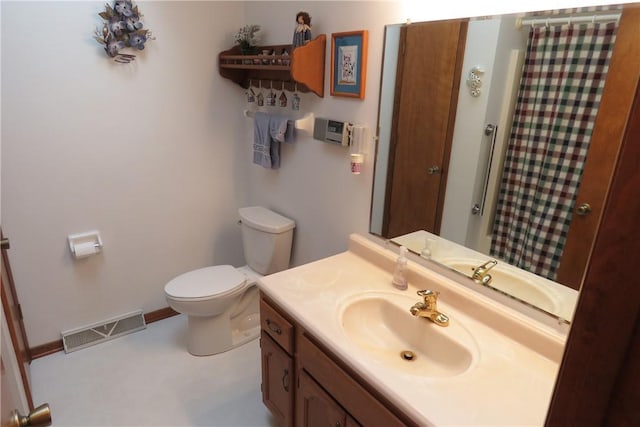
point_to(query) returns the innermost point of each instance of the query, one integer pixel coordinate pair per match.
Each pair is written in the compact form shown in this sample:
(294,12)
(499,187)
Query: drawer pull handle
(273,327)
(285,380)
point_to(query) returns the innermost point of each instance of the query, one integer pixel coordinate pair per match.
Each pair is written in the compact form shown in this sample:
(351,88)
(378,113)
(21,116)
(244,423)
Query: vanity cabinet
(300,69)
(326,392)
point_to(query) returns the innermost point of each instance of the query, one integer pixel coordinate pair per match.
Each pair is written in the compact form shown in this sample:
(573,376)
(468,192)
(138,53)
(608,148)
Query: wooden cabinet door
(352,423)
(315,408)
(277,381)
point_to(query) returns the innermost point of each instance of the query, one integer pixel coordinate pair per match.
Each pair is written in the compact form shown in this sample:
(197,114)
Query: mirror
(478,73)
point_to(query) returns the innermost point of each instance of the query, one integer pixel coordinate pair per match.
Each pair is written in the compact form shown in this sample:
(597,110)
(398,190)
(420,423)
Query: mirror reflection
(487,134)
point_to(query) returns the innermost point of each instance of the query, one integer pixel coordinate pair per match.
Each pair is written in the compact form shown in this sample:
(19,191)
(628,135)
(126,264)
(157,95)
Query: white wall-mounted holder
(86,244)
(359,140)
(474,81)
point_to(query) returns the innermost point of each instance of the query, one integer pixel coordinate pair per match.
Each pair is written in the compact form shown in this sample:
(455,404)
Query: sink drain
(408,355)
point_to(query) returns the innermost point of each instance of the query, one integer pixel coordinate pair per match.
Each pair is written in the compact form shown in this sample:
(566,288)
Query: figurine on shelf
(302,33)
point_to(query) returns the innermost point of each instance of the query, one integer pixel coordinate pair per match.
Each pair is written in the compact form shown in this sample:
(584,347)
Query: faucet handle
(430,297)
(488,265)
(427,292)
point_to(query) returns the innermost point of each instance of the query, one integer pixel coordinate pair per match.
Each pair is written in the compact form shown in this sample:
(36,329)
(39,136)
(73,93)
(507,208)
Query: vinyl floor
(148,378)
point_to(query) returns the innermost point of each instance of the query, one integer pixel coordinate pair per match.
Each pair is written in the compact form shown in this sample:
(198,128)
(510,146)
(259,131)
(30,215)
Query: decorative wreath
(122,28)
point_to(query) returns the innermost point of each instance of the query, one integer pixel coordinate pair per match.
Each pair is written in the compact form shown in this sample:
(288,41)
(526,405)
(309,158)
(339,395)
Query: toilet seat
(206,283)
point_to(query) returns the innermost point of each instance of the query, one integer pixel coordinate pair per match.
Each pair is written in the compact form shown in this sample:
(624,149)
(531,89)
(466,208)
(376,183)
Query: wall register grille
(86,336)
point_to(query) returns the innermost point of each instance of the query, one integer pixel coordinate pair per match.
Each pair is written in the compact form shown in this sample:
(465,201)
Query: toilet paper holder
(86,244)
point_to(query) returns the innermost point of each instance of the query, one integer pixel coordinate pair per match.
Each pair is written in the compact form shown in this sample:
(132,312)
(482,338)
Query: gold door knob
(4,243)
(39,417)
(584,209)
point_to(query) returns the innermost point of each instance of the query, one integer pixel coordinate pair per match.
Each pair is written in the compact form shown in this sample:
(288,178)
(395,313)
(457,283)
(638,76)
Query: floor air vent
(86,336)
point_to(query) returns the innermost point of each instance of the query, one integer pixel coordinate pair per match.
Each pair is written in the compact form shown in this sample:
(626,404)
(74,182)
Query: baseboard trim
(56,346)
(163,313)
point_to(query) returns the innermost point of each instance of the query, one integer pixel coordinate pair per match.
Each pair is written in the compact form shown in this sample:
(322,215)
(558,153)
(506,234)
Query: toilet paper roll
(84,250)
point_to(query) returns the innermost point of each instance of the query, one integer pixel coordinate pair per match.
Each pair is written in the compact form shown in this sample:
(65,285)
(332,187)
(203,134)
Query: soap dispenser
(400,273)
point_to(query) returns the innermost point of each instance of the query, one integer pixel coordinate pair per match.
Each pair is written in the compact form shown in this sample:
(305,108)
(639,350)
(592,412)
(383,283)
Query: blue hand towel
(269,132)
(261,140)
(280,131)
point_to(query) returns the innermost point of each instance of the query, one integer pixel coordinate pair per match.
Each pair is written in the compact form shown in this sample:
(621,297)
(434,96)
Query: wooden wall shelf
(302,67)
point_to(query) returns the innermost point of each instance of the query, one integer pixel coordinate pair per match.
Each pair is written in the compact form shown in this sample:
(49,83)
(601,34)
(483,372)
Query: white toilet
(222,301)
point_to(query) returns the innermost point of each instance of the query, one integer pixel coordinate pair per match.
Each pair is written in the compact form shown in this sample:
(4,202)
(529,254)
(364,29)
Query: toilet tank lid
(265,220)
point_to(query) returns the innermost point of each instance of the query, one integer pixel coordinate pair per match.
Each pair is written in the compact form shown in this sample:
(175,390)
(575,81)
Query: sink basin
(380,324)
(508,282)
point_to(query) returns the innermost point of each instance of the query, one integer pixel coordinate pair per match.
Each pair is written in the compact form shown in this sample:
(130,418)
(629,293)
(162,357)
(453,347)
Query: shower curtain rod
(567,19)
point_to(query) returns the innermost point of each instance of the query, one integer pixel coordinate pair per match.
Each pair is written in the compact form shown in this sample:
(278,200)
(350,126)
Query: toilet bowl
(213,298)
(222,301)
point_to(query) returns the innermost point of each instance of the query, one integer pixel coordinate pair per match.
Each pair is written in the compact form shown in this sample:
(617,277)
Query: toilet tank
(266,239)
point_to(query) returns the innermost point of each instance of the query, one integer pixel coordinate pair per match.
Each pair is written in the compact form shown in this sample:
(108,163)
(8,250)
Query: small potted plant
(247,39)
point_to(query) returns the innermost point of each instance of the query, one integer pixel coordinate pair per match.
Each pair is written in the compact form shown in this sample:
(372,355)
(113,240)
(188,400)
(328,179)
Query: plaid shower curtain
(560,90)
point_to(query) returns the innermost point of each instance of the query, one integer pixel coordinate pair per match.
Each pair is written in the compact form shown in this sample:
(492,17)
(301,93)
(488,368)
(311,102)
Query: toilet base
(212,335)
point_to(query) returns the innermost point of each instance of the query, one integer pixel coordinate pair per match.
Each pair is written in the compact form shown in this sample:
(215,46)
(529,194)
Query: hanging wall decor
(349,63)
(122,29)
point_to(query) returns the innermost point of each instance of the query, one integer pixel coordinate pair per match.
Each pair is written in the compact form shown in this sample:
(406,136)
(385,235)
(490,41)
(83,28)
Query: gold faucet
(428,308)
(481,274)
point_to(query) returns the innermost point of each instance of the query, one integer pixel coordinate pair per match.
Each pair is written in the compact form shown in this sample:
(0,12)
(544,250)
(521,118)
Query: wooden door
(277,381)
(608,133)
(15,325)
(426,94)
(315,408)
(16,408)
(12,393)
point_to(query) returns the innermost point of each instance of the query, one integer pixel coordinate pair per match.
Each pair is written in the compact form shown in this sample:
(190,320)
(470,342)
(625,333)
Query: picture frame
(349,63)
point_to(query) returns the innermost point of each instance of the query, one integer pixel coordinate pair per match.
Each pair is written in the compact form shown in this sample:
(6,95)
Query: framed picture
(349,63)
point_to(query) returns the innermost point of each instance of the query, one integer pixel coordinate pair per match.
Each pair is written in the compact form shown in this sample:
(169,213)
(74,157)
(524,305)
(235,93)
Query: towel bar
(303,123)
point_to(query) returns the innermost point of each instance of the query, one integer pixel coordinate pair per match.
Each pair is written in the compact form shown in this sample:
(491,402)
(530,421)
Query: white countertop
(563,297)
(511,382)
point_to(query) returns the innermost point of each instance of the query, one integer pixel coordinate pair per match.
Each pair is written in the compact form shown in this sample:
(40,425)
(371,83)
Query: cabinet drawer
(278,328)
(364,407)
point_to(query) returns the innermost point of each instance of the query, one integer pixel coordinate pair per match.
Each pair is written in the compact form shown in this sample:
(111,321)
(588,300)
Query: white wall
(314,186)
(147,153)
(468,136)
(156,154)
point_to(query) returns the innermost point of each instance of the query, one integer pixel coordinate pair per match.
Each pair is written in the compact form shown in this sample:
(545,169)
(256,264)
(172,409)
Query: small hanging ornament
(282,101)
(295,102)
(271,98)
(260,96)
(251,95)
